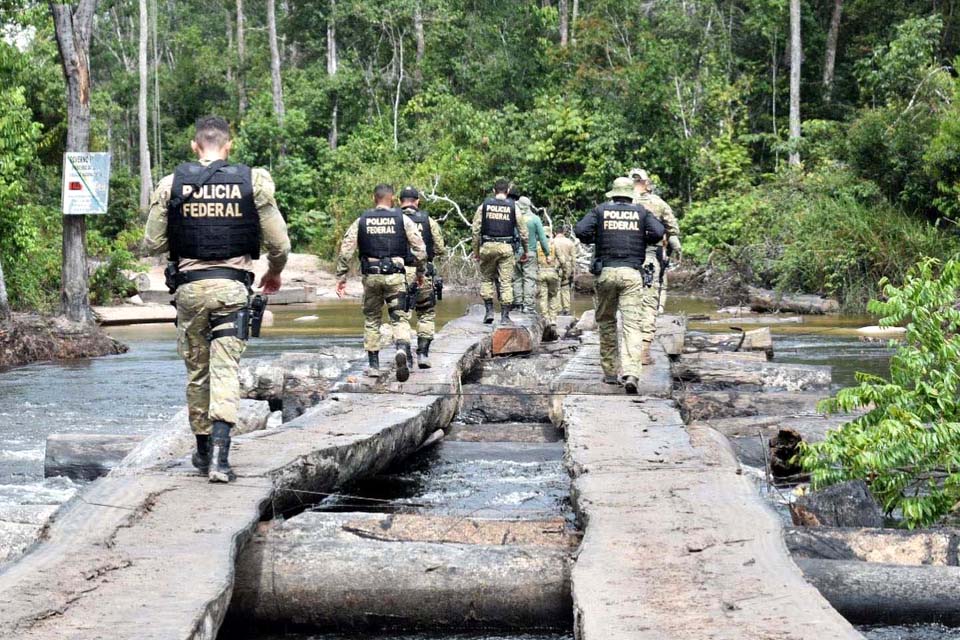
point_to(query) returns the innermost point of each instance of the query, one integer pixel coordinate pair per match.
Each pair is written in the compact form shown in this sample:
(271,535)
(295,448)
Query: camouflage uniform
(380,290)
(426,303)
(621,289)
(566,252)
(654,304)
(213,389)
(525,276)
(548,300)
(496,261)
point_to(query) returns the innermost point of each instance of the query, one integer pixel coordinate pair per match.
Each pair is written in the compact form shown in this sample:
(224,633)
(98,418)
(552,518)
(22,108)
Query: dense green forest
(560,96)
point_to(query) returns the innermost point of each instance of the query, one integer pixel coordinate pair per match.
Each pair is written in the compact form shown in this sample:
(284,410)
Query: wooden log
(714,405)
(752,340)
(742,370)
(513,339)
(85,456)
(504,432)
(871,593)
(760,319)
(765,300)
(886,546)
(493,403)
(812,428)
(135,314)
(358,570)
(846,504)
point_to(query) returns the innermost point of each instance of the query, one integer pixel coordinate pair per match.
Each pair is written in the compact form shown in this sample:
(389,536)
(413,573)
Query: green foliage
(907,444)
(896,70)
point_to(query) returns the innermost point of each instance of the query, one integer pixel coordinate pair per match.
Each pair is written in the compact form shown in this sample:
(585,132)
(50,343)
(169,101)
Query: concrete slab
(677,543)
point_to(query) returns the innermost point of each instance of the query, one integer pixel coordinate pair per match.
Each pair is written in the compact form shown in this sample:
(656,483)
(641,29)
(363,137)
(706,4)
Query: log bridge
(677,543)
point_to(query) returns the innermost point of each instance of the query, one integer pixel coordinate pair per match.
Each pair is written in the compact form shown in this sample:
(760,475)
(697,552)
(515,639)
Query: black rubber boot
(373,364)
(201,457)
(611,380)
(550,333)
(632,385)
(423,352)
(488,315)
(221,471)
(402,360)
(505,314)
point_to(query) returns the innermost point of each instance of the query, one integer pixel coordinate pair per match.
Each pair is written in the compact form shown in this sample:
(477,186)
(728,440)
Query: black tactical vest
(423,222)
(217,221)
(621,232)
(381,235)
(499,218)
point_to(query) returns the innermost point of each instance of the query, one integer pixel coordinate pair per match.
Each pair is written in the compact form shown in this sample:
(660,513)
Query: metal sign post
(86,183)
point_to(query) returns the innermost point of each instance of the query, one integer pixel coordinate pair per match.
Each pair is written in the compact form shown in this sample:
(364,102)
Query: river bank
(27,338)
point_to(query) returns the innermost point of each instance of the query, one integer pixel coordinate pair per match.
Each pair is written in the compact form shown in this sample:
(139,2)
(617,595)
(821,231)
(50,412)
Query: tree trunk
(796,58)
(157,140)
(332,64)
(228,20)
(564,22)
(573,20)
(830,56)
(887,546)
(349,569)
(4,301)
(421,43)
(277,83)
(146,182)
(241,59)
(73,25)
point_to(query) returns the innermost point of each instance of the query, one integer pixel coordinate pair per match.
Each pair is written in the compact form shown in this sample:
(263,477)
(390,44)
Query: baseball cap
(409,193)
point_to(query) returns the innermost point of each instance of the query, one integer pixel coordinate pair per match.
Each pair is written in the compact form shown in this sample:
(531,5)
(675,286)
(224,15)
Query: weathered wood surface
(671,334)
(494,403)
(715,405)
(770,319)
(151,554)
(359,570)
(766,300)
(813,428)
(847,504)
(503,432)
(752,340)
(516,338)
(135,314)
(677,543)
(750,371)
(885,546)
(870,593)
(287,295)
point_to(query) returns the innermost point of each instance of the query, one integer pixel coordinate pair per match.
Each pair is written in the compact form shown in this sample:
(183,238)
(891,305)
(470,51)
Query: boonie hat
(639,174)
(409,193)
(524,201)
(622,187)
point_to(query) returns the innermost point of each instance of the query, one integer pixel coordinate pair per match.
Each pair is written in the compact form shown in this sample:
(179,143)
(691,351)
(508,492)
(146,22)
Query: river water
(138,392)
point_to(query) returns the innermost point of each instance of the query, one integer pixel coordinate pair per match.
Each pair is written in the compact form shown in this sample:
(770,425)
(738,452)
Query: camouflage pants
(378,291)
(566,284)
(621,289)
(496,270)
(426,307)
(525,283)
(548,298)
(213,385)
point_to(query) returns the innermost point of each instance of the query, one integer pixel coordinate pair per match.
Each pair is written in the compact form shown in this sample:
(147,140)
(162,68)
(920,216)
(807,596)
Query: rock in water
(848,504)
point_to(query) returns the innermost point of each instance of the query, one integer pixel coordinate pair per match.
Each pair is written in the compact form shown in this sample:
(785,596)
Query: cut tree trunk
(4,300)
(714,405)
(358,570)
(146,181)
(830,54)
(796,58)
(766,301)
(73,25)
(887,546)
(753,340)
(276,80)
(749,371)
(812,428)
(869,593)
(847,504)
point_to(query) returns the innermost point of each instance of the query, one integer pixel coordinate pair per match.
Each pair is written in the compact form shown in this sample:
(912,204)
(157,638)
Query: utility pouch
(649,271)
(596,267)
(242,324)
(438,287)
(410,299)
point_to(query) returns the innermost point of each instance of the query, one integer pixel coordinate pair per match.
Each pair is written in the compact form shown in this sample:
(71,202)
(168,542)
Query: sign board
(86,183)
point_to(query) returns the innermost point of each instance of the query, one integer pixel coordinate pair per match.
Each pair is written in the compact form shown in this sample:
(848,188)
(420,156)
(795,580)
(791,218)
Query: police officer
(656,255)
(525,273)
(548,288)
(385,237)
(426,299)
(621,232)
(566,253)
(213,217)
(496,228)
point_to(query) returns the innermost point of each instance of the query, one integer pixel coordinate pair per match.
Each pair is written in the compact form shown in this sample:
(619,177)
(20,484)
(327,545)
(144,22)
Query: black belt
(503,239)
(383,267)
(215,273)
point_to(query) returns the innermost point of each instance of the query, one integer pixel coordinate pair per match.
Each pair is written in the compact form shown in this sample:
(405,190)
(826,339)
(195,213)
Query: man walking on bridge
(426,294)
(621,232)
(566,252)
(213,216)
(496,228)
(657,255)
(385,237)
(525,276)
